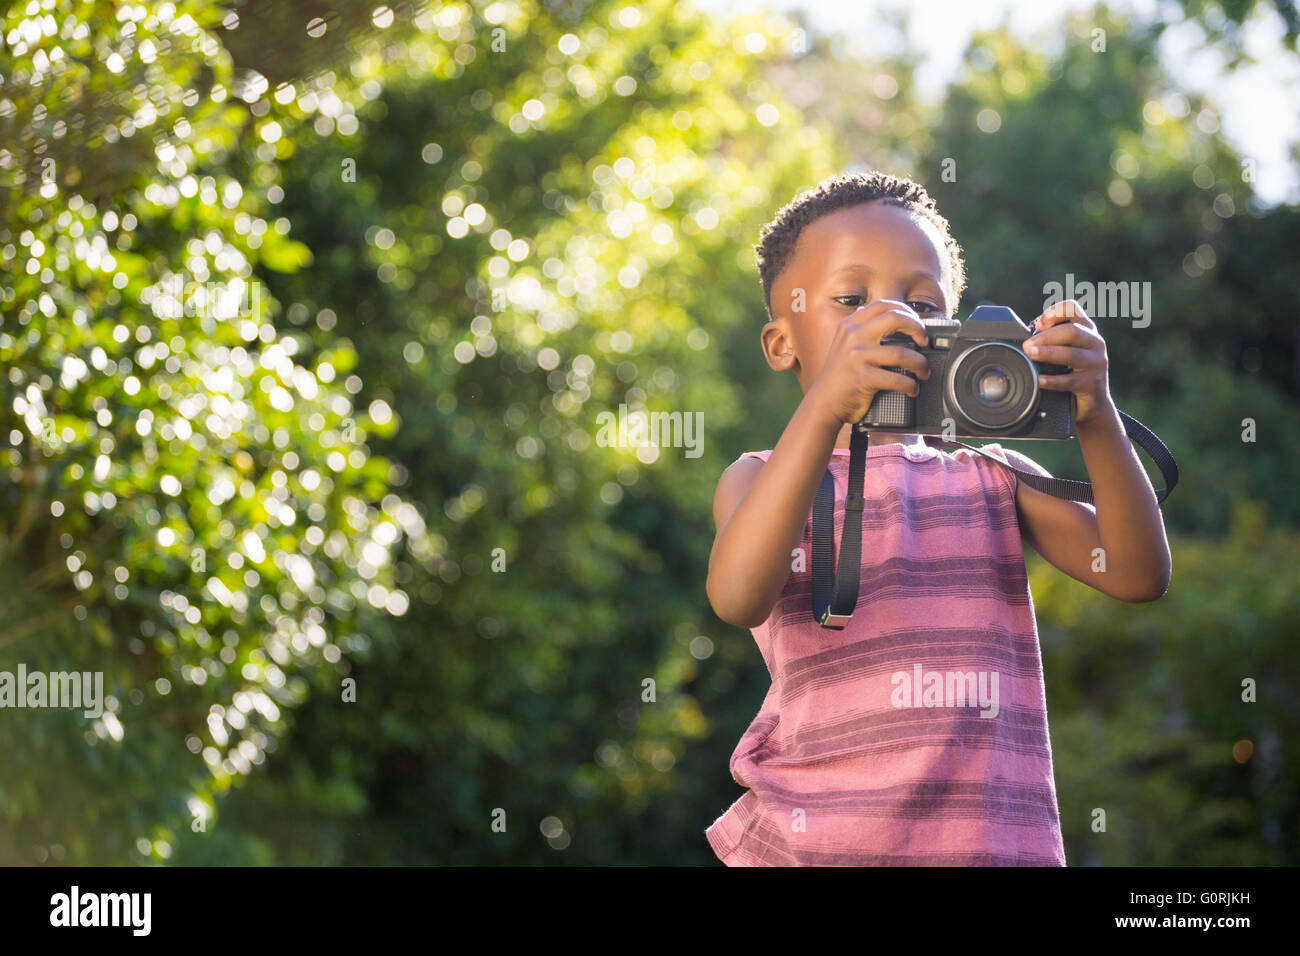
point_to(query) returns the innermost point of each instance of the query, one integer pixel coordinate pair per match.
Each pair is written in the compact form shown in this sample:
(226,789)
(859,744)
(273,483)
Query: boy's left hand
(1064,335)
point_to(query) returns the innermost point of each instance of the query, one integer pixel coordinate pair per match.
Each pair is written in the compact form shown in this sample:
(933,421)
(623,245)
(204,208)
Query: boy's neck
(876,438)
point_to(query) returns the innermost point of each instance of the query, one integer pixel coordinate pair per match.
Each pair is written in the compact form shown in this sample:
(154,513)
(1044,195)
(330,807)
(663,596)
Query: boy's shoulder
(747,464)
(1019,460)
(733,485)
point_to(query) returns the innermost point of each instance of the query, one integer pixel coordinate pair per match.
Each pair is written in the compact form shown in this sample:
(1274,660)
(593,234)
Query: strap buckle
(835,621)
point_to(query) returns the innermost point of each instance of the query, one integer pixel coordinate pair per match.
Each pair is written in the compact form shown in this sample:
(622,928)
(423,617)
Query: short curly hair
(777,239)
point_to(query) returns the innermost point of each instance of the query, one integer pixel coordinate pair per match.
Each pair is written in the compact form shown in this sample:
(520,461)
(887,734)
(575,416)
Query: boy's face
(845,260)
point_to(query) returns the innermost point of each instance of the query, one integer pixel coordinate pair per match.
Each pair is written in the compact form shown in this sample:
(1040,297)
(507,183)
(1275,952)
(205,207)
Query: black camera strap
(834,610)
(823,541)
(1072,490)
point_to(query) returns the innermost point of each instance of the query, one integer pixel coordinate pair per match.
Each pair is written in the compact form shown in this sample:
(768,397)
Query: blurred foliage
(452,235)
(515,277)
(1224,20)
(187,508)
(1100,169)
(1149,714)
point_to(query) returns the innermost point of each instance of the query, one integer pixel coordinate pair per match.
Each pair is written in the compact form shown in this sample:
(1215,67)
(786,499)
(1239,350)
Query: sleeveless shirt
(917,735)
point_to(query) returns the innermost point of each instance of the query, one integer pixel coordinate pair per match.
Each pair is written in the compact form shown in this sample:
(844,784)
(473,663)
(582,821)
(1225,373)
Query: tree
(546,223)
(1093,169)
(189,508)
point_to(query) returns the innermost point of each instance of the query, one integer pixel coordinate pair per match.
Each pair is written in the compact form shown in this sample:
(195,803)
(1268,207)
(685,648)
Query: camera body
(981,383)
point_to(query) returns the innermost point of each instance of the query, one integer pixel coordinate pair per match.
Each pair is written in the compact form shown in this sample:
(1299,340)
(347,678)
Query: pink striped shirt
(918,734)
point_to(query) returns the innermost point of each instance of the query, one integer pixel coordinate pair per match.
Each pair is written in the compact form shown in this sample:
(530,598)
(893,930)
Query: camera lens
(993,385)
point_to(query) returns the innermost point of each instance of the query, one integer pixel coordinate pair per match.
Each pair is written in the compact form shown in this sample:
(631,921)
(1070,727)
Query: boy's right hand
(854,368)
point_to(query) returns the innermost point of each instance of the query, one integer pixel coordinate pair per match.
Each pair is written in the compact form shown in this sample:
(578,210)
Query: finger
(883,380)
(871,323)
(876,309)
(1066,311)
(1064,355)
(898,382)
(1067,333)
(1063,383)
(902,356)
(900,317)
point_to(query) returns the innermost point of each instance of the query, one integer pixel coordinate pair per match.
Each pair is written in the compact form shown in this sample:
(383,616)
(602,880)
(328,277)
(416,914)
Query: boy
(858,756)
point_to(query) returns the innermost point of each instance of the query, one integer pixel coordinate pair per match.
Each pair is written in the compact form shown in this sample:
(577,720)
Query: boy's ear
(778,348)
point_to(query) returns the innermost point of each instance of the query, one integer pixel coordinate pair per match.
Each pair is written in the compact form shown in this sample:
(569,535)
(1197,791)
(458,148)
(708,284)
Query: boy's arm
(1126,523)
(760,510)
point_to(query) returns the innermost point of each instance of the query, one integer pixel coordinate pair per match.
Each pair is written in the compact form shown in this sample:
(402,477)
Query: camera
(981,383)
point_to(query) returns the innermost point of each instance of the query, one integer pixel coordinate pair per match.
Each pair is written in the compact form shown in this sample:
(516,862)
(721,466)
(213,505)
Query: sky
(1259,105)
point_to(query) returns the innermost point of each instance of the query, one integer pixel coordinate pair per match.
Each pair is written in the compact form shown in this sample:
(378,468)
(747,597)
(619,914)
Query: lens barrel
(994,385)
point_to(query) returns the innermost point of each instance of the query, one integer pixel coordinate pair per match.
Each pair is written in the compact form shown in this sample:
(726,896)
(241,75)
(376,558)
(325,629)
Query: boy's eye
(920,305)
